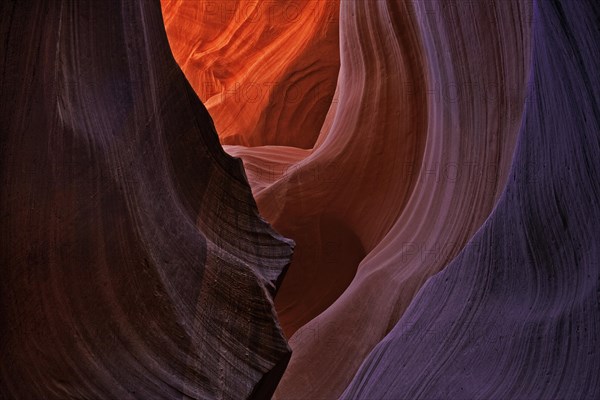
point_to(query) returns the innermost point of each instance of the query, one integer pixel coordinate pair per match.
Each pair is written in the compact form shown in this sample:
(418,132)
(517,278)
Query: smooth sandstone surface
(517,314)
(435,162)
(475,90)
(388,218)
(265,70)
(338,202)
(134,261)
(411,160)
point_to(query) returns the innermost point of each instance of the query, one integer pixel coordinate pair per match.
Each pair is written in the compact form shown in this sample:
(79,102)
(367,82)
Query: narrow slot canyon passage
(303,193)
(384,176)
(300,199)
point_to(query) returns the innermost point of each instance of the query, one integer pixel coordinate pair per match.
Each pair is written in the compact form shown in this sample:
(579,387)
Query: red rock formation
(474,92)
(517,314)
(134,262)
(370,172)
(340,201)
(266,70)
(424,268)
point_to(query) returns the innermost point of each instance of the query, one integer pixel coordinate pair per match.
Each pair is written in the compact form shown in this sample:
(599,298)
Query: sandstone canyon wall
(413,157)
(434,164)
(516,314)
(265,70)
(134,261)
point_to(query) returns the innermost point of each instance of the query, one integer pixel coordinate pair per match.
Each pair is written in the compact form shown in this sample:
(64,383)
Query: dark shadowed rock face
(134,262)
(447,215)
(517,314)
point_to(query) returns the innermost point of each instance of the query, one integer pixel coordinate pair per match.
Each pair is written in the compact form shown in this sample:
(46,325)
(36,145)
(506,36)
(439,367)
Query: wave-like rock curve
(265,69)
(412,158)
(443,197)
(517,314)
(134,261)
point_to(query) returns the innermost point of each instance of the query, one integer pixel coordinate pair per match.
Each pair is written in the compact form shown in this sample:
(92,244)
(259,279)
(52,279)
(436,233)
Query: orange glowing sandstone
(403,172)
(265,70)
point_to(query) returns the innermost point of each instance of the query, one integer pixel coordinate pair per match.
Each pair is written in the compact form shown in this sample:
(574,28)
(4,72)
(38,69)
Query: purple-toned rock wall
(517,314)
(435,164)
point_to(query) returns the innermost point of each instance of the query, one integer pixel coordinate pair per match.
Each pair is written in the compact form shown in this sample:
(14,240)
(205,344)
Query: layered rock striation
(134,261)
